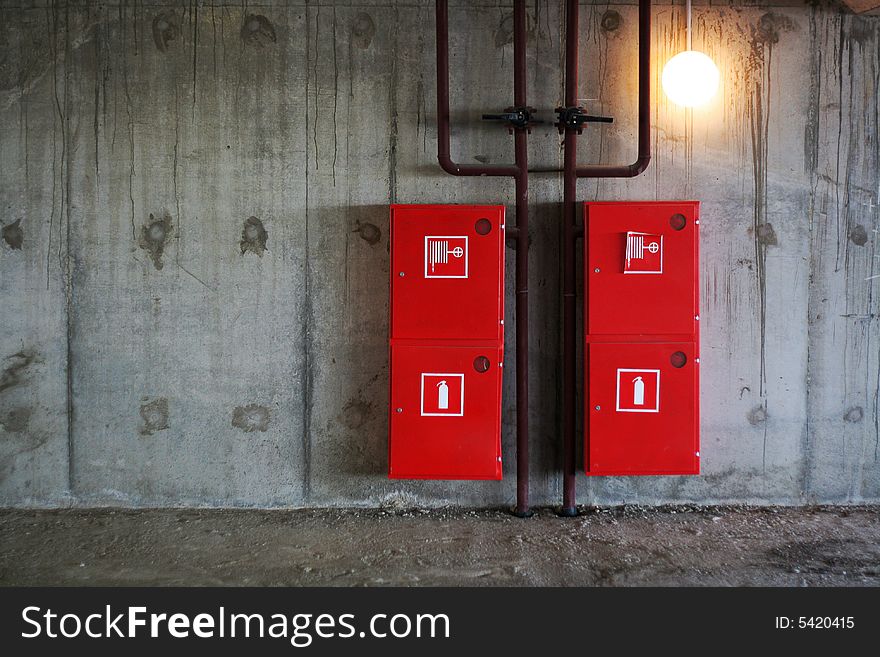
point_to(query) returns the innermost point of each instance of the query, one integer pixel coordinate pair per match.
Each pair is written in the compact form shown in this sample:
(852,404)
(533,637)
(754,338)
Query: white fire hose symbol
(440,252)
(636,247)
(638,391)
(442,396)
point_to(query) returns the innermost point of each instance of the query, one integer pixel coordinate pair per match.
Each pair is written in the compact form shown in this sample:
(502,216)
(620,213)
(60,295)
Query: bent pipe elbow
(613,171)
(448,165)
(640,165)
(453,168)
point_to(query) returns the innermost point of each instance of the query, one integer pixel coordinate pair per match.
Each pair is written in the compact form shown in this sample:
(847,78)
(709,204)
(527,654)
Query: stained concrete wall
(194,253)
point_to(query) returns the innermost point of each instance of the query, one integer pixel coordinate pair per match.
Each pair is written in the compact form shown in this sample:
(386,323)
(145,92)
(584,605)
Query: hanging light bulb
(691,77)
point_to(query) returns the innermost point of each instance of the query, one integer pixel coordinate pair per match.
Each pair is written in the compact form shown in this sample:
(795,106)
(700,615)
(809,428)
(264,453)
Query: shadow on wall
(349,382)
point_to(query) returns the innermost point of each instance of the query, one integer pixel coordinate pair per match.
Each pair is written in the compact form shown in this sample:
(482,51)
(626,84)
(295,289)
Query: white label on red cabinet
(442,394)
(644,253)
(638,391)
(446,256)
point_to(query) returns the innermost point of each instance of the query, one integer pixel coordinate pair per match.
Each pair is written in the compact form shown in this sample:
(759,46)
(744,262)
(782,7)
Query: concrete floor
(817,546)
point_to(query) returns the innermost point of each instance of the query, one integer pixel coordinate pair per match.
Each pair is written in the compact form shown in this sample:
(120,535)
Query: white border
(656,408)
(466,253)
(422,395)
(633,232)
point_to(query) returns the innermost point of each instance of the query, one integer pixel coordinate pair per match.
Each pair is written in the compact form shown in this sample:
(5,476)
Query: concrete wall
(194,253)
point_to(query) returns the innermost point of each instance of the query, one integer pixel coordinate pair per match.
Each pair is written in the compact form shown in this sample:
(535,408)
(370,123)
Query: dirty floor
(820,546)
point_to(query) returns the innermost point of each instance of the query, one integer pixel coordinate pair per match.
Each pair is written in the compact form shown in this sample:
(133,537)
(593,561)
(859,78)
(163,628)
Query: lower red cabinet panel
(445,412)
(643,409)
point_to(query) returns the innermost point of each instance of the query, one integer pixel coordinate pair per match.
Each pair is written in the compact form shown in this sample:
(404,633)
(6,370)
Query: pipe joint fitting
(516,118)
(574,118)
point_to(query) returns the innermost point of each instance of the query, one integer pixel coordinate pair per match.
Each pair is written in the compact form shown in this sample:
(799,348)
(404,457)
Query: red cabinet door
(447,272)
(641,268)
(643,409)
(447,338)
(445,408)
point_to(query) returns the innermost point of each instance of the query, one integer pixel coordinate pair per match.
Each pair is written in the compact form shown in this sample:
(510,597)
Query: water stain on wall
(356,413)
(250,418)
(165,29)
(858,235)
(756,416)
(13,235)
(504,33)
(854,414)
(369,233)
(15,372)
(768,29)
(155,236)
(154,413)
(257,30)
(610,21)
(253,237)
(363,29)
(758,68)
(16,419)
(766,235)
(23,442)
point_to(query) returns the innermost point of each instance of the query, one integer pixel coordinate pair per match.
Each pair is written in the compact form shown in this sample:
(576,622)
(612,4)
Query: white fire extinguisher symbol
(638,391)
(442,396)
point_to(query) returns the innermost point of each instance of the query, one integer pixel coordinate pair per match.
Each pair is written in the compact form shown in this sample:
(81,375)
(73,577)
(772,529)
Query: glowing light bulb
(690,78)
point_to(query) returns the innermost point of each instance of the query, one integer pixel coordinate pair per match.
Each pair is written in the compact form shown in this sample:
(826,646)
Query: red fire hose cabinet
(641,352)
(446,341)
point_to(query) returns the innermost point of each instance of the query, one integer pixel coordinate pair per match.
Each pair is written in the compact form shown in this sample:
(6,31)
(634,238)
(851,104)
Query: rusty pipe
(569,278)
(571,231)
(521,183)
(519,172)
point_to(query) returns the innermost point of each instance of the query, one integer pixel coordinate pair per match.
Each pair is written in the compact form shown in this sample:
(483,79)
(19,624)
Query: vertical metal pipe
(644,89)
(571,171)
(569,279)
(521,182)
(519,172)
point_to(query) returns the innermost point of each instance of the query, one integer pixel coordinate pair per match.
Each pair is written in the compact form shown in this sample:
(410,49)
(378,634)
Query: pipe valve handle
(514,117)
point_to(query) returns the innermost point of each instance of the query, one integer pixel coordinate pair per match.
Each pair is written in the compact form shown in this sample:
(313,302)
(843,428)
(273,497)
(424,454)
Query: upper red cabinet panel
(447,264)
(641,267)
